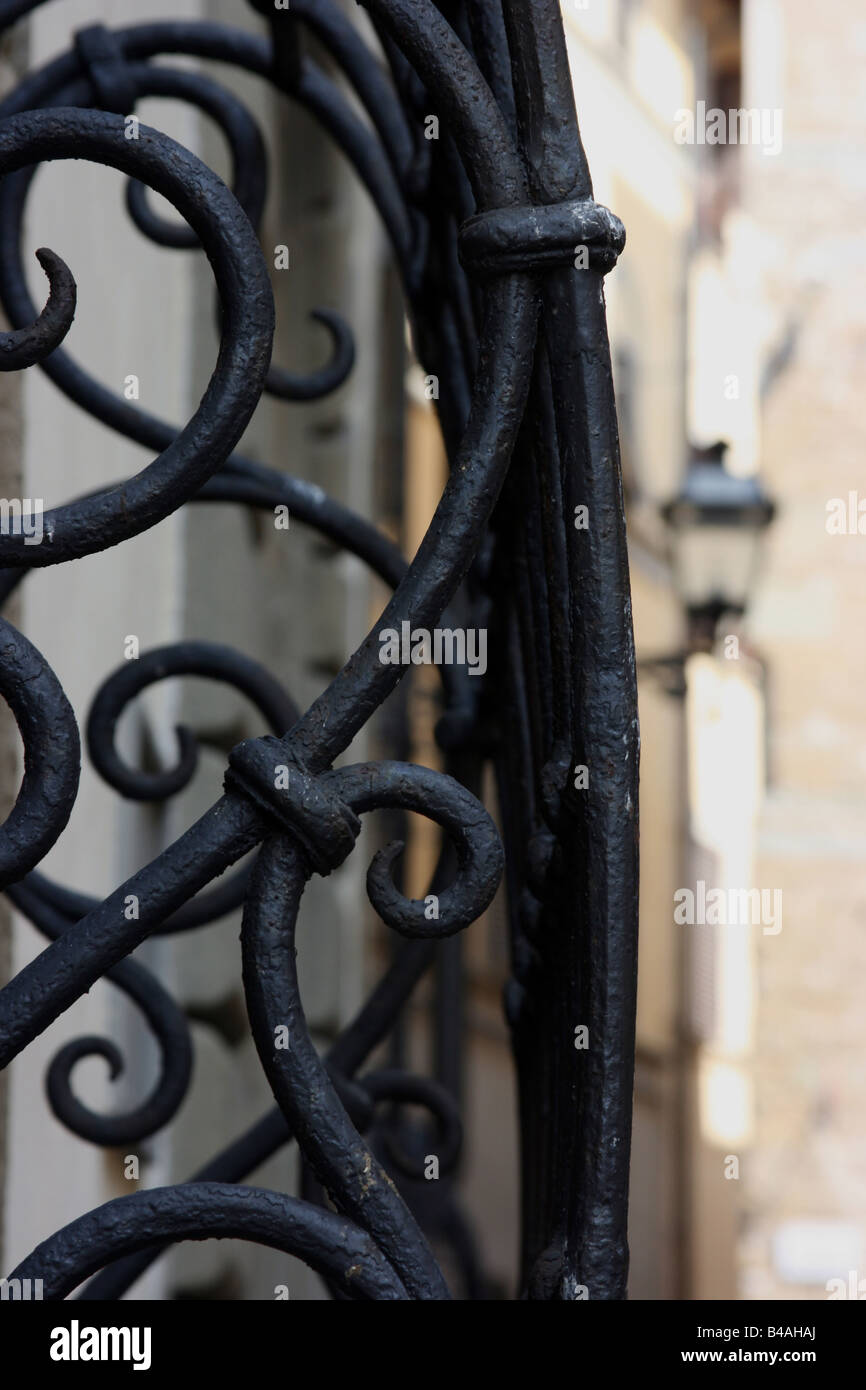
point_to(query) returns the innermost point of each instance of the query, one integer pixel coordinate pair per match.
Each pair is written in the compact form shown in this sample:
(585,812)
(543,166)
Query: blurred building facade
(805,1185)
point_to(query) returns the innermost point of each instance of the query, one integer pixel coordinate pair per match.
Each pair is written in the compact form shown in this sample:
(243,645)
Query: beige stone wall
(809,1160)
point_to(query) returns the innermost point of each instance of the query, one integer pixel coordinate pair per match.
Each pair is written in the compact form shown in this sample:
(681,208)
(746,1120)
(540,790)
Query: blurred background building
(737,315)
(737,320)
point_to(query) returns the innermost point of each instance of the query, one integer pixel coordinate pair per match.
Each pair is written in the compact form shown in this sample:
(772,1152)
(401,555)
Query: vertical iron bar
(576,1241)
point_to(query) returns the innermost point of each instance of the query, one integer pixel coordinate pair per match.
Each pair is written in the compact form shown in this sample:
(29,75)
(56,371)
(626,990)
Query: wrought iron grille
(501,251)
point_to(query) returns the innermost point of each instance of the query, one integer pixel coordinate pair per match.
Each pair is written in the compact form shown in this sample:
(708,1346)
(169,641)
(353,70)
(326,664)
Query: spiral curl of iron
(237,381)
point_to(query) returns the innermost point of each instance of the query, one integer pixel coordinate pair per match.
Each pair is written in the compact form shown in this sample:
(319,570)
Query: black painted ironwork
(484,224)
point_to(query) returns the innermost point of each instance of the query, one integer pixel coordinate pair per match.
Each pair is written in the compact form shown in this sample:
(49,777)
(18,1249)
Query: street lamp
(716,522)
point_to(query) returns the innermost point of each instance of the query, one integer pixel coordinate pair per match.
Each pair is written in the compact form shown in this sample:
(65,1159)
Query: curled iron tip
(23,347)
(293,386)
